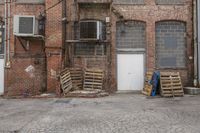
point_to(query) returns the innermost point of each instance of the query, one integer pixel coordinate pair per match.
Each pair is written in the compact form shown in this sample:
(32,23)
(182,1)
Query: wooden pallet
(171,84)
(148,87)
(93,79)
(65,81)
(77,78)
(149,75)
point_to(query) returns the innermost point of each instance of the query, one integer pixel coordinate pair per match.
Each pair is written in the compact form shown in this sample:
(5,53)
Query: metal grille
(91,29)
(30,1)
(89,49)
(131,34)
(170,2)
(170,44)
(128,1)
(26,25)
(88,30)
(1,40)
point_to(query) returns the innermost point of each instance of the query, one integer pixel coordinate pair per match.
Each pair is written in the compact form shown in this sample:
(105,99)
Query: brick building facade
(159,29)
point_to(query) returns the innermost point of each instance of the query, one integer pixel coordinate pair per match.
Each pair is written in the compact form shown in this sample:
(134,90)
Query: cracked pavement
(118,113)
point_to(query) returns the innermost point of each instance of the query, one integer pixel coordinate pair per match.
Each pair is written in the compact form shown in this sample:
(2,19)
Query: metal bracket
(20,40)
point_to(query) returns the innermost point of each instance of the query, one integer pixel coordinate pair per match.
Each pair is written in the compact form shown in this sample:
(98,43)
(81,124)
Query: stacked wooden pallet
(65,81)
(93,79)
(148,87)
(171,85)
(77,78)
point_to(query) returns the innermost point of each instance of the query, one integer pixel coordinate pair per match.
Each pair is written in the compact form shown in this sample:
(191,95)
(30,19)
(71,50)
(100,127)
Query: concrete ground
(120,113)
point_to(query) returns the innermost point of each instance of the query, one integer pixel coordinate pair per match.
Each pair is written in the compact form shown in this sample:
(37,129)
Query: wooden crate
(65,81)
(93,79)
(171,84)
(77,78)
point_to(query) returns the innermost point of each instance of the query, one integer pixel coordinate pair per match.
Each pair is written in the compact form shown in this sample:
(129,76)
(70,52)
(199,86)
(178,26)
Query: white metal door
(1,76)
(130,72)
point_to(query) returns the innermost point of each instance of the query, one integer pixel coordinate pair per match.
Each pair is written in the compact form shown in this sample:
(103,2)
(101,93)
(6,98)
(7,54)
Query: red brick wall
(20,82)
(17,80)
(152,13)
(53,44)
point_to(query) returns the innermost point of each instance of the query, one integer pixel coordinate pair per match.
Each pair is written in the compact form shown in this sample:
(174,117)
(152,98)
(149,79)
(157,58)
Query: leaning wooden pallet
(93,79)
(77,78)
(171,84)
(65,81)
(148,87)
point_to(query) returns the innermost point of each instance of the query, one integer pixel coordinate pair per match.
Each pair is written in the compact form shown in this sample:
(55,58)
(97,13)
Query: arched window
(170,44)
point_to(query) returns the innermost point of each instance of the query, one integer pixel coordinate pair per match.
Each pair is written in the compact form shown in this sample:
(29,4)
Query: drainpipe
(195,82)
(198,35)
(8,49)
(64,33)
(5,32)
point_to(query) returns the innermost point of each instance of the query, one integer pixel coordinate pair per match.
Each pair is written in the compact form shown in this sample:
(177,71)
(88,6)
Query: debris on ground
(45,95)
(93,93)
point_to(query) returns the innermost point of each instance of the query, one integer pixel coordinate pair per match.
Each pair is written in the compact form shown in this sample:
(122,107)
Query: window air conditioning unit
(92,30)
(25,25)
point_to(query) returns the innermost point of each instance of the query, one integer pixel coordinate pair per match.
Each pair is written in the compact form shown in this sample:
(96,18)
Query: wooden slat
(93,79)
(148,87)
(65,81)
(171,84)
(77,78)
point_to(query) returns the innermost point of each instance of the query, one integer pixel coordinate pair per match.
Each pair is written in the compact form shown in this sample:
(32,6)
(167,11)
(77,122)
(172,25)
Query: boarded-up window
(128,1)
(90,49)
(170,2)
(131,34)
(170,44)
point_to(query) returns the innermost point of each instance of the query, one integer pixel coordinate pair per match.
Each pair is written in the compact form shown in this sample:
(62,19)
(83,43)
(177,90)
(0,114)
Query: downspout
(195,82)
(64,33)
(8,49)
(5,33)
(198,38)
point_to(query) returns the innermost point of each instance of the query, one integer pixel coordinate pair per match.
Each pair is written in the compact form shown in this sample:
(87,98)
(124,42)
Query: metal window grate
(128,1)
(30,1)
(170,2)
(90,29)
(88,49)
(170,44)
(131,34)
(26,25)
